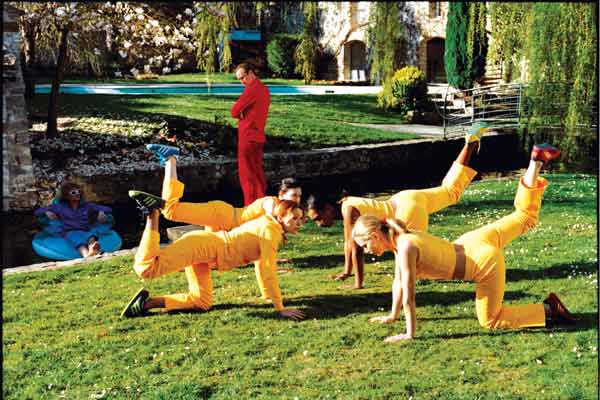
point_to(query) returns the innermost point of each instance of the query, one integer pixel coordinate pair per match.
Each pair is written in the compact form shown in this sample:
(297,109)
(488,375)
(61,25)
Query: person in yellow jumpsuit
(412,207)
(475,256)
(213,215)
(255,241)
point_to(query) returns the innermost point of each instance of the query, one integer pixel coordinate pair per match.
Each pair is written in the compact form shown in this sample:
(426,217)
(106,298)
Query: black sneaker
(135,307)
(147,201)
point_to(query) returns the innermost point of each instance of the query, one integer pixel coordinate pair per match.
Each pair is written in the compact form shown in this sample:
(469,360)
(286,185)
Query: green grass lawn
(195,77)
(308,120)
(62,336)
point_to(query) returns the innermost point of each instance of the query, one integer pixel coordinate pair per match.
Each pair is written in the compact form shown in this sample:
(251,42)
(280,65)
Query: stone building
(344,39)
(18,192)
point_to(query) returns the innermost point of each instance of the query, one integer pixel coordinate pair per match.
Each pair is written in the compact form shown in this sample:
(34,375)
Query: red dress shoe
(560,313)
(544,152)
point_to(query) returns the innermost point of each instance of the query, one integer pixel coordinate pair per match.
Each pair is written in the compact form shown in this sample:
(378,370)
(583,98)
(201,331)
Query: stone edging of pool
(203,89)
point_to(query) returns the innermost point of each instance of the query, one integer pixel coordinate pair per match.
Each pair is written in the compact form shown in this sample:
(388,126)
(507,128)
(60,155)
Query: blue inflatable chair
(50,244)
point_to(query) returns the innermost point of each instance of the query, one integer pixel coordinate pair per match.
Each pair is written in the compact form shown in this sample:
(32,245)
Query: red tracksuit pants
(252,174)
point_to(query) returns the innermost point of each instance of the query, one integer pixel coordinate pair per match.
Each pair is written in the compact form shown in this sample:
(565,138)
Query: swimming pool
(220,89)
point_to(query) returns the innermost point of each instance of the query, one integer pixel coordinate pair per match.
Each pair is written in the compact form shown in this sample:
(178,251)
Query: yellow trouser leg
(491,313)
(200,290)
(216,214)
(485,245)
(193,247)
(499,234)
(145,257)
(414,206)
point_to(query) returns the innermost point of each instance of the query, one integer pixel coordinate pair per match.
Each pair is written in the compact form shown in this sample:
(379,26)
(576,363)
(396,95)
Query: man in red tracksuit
(251,109)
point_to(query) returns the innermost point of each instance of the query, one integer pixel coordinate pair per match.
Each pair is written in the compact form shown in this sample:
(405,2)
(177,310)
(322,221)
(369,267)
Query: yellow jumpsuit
(485,261)
(256,240)
(414,206)
(214,215)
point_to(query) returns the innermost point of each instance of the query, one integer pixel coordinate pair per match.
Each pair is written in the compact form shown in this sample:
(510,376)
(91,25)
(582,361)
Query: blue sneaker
(163,152)
(477,130)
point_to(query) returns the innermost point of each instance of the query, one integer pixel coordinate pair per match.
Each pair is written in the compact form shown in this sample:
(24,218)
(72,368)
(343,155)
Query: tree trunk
(28,58)
(58,77)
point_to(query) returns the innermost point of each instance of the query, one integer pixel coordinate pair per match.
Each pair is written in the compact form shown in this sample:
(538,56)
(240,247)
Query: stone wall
(345,22)
(17,170)
(358,169)
(403,164)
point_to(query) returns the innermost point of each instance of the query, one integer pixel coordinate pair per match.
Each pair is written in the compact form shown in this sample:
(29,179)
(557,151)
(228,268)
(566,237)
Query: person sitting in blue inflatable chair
(74,225)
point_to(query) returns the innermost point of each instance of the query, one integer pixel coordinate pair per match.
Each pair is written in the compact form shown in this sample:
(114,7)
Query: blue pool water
(201,89)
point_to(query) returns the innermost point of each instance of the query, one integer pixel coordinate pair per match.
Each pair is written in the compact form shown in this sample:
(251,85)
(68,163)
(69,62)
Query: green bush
(280,54)
(405,91)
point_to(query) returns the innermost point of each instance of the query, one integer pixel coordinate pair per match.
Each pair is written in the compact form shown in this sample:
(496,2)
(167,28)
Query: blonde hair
(366,226)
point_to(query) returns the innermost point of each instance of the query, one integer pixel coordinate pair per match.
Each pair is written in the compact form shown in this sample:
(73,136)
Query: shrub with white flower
(147,38)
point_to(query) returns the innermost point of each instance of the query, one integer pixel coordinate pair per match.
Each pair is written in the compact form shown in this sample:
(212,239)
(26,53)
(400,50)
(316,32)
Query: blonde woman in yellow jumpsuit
(412,207)
(475,256)
(213,215)
(255,241)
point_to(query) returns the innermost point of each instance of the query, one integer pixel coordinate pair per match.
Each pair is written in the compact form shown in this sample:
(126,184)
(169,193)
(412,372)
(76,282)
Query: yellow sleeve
(266,267)
(253,210)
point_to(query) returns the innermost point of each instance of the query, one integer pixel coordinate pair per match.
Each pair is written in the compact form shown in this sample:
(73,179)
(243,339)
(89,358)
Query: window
(435,9)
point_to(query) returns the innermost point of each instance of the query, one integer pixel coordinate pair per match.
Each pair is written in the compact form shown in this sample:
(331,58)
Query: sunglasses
(75,192)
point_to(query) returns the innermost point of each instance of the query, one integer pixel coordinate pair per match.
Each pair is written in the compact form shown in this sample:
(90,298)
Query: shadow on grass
(331,306)
(334,260)
(557,271)
(586,322)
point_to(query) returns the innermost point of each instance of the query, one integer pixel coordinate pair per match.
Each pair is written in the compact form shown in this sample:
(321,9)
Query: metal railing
(501,106)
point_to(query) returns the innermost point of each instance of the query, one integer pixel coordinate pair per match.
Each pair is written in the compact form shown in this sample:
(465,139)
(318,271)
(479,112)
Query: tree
(151,37)
(212,31)
(43,25)
(215,20)
(466,43)
(75,27)
(30,25)
(477,43)
(509,36)
(384,32)
(563,88)
(307,51)
(89,33)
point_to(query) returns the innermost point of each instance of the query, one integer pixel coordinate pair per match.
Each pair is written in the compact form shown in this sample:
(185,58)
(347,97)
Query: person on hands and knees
(475,256)
(412,207)
(201,251)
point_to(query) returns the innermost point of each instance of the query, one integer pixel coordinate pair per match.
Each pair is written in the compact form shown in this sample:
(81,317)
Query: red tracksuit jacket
(253,104)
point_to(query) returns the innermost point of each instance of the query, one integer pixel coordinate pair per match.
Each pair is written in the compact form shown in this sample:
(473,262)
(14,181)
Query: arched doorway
(355,61)
(435,61)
